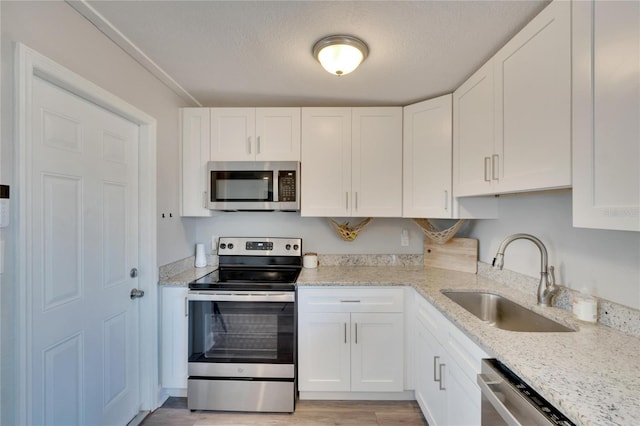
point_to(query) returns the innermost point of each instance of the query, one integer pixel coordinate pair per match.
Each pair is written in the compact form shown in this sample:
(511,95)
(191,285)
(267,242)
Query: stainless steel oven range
(242,320)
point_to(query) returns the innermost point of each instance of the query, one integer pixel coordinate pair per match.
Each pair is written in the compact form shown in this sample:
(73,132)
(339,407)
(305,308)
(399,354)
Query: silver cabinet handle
(346,206)
(356,201)
(435,368)
(249,144)
(356,333)
(345,332)
(487,165)
(349,301)
(258,147)
(441,368)
(446,199)
(186,306)
(495,162)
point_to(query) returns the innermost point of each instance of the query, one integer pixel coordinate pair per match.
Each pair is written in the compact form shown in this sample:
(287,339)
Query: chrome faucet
(547,288)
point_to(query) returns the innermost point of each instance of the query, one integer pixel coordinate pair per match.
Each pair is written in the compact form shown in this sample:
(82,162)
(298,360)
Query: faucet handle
(552,276)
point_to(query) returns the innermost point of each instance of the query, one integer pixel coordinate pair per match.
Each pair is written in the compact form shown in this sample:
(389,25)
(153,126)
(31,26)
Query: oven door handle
(245,296)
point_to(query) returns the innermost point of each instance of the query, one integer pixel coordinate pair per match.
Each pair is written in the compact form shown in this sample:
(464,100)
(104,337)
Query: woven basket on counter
(436,235)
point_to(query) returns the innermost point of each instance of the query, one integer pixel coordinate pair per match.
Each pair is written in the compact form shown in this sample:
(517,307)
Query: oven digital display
(259,245)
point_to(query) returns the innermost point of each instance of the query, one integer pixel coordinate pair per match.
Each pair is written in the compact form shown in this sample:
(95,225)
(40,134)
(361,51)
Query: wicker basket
(436,235)
(349,233)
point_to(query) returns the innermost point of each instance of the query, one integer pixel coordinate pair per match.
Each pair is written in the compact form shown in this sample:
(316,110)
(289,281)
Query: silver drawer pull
(349,301)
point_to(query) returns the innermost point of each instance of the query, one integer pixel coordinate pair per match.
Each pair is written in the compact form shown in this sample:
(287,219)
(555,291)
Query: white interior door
(82,190)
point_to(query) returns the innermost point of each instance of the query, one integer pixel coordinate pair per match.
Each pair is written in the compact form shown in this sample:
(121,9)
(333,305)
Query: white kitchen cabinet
(512,118)
(431,399)
(173,340)
(606,115)
(324,357)
(473,133)
(194,154)
(533,104)
(447,363)
(255,134)
(350,340)
(427,162)
(352,162)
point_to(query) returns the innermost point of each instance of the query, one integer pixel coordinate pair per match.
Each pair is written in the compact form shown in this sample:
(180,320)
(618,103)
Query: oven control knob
(223,246)
(288,247)
(295,247)
(230,246)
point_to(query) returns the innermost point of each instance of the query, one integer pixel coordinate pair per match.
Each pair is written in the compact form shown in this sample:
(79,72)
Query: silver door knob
(136,293)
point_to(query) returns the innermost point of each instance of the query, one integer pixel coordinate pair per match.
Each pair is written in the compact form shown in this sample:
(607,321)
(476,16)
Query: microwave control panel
(287,185)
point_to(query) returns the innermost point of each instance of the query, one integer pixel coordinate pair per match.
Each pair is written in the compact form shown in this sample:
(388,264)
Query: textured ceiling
(258,53)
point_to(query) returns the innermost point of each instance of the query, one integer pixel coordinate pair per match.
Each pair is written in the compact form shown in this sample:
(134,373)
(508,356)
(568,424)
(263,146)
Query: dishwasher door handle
(485,384)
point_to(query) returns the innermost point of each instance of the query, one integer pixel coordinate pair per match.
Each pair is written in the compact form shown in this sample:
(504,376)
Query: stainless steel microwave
(254,185)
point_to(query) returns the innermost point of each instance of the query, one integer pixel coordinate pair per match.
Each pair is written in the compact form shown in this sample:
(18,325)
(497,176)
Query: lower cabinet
(447,363)
(173,340)
(350,340)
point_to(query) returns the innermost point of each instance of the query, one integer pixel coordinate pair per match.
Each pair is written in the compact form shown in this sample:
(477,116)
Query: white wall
(57,31)
(606,263)
(381,236)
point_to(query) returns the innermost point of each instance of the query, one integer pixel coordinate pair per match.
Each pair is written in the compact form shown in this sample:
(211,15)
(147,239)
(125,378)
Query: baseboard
(359,396)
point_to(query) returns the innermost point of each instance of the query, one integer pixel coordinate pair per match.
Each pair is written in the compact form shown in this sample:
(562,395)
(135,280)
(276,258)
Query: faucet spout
(547,288)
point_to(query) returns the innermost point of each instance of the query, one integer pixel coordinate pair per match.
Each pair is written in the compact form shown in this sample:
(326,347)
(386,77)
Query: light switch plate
(404,238)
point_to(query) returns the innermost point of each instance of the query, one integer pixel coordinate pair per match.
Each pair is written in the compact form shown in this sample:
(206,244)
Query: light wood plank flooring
(362,413)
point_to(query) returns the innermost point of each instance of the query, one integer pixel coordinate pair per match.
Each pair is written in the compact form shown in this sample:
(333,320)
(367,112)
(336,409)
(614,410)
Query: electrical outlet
(404,238)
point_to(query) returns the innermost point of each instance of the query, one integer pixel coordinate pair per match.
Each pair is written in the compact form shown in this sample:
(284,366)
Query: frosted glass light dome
(340,54)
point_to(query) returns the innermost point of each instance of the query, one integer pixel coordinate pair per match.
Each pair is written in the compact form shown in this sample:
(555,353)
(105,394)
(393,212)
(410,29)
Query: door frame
(30,64)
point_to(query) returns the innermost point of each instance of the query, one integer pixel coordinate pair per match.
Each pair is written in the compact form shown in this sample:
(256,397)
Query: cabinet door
(427,162)
(473,134)
(173,337)
(533,104)
(430,397)
(606,108)
(278,134)
(377,162)
(377,356)
(194,154)
(326,162)
(324,352)
(463,406)
(233,134)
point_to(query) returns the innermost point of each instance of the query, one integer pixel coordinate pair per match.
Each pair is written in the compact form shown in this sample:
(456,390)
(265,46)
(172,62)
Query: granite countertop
(591,375)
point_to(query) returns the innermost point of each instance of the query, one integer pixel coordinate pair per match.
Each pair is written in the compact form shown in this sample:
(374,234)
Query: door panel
(83,193)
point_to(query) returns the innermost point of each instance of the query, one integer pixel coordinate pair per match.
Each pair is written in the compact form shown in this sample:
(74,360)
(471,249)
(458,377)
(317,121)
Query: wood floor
(362,413)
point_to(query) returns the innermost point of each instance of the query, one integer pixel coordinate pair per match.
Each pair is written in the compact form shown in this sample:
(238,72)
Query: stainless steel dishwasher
(508,400)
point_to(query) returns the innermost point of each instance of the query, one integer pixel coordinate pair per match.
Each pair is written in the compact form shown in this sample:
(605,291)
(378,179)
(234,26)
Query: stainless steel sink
(502,313)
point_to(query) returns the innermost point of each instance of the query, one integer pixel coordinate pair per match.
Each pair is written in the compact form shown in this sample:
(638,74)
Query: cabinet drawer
(365,299)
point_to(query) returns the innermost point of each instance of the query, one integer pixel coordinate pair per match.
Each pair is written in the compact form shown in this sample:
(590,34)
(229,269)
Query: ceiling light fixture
(340,54)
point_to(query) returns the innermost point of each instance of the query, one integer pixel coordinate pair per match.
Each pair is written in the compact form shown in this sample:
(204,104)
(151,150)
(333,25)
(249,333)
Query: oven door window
(242,186)
(241,332)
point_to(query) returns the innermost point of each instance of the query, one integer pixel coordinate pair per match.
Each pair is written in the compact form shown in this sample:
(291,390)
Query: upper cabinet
(352,162)
(512,118)
(606,115)
(426,151)
(194,154)
(255,134)
(533,104)
(473,135)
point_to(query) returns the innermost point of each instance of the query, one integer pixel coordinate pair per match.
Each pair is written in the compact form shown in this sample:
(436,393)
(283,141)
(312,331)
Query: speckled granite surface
(591,375)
